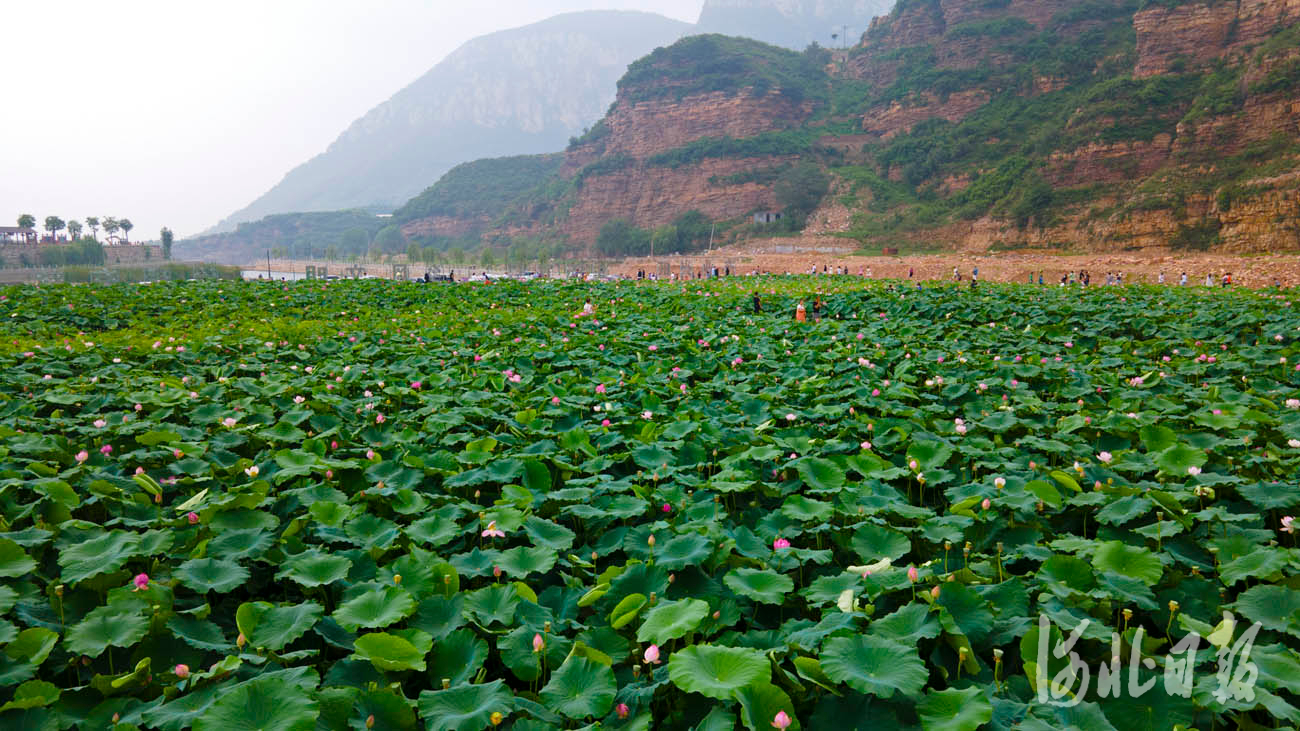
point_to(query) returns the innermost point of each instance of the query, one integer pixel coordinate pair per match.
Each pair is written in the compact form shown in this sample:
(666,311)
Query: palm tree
(74,229)
(93,223)
(54,225)
(110,228)
(126,226)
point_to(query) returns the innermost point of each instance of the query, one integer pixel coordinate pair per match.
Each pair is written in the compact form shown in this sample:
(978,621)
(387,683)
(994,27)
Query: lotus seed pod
(1173,605)
(1128,614)
(446,683)
(997,655)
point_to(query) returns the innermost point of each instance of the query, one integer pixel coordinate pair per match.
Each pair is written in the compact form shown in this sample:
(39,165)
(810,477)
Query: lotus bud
(117,717)
(672,578)
(912,574)
(538,643)
(934,592)
(594,556)
(370,721)
(182,671)
(717,615)
(241,640)
(496,572)
(652,655)
(651,540)
(986,504)
(622,710)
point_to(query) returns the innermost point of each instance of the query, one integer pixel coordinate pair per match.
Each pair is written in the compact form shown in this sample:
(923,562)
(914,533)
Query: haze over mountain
(792,23)
(518,91)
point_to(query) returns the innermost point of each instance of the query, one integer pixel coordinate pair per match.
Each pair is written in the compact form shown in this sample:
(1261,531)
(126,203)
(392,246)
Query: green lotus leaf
(524,561)
(390,652)
(804,510)
(954,710)
(103,554)
(1274,607)
(670,620)
(1157,438)
(314,568)
(761,702)
(763,586)
(580,688)
(273,627)
(33,694)
(234,545)
(375,609)
(211,574)
(547,535)
(1260,563)
(1044,491)
(1176,460)
(265,703)
(493,604)
(907,625)
(106,627)
(929,455)
(14,561)
(1132,561)
(626,610)
(874,666)
(199,633)
(434,531)
(32,645)
(464,707)
(458,657)
(821,474)
(680,551)
(516,650)
(716,671)
(874,542)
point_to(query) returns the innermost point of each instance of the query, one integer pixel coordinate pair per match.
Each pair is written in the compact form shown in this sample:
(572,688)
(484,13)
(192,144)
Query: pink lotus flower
(141,581)
(555,400)
(912,574)
(652,654)
(106,450)
(875,392)
(1105,457)
(83,455)
(600,388)
(192,517)
(100,423)
(379,418)
(177,453)
(1193,470)
(229,422)
(622,710)
(182,671)
(647,415)
(538,643)
(653,348)
(1288,524)
(866,445)
(493,531)
(667,508)
(415,385)
(986,504)
(779,544)
(604,422)
(999,482)
(781,720)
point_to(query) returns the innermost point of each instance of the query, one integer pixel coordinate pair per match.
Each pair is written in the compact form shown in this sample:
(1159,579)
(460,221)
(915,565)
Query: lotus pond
(393,506)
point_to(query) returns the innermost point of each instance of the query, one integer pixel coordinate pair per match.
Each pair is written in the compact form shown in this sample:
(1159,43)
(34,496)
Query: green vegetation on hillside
(707,63)
(480,188)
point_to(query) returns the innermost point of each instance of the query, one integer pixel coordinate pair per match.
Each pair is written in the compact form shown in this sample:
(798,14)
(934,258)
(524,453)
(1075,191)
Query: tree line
(54,224)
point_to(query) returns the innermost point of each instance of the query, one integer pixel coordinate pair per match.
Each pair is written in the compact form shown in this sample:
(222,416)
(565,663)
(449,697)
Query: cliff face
(1196,33)
(1024,123)
(643,129)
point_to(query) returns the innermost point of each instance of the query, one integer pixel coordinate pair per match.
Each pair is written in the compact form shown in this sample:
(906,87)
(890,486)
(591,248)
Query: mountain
(792,23)
(978,125)
(525,90)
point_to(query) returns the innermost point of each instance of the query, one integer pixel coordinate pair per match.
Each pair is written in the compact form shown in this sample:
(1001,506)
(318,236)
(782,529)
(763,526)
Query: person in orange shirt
(800,314)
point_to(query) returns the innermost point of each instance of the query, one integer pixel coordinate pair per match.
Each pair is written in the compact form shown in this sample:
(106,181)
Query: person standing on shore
(1161,280)
(1182,281)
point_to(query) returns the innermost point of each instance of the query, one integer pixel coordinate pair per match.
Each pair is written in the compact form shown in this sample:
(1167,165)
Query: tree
(111,227)
(54,225)
(355,240)
(664,240)
(618,237)
(27,220)
(126,227)
(413,252)
(166,236)
(92,222)
(800,190)
(331,252)
(74,229)
(390,240)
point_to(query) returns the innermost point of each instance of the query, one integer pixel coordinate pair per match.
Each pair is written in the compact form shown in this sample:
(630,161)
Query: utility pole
(268,263)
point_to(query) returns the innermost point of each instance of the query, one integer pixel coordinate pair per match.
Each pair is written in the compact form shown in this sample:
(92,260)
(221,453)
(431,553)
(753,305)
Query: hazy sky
(177,113)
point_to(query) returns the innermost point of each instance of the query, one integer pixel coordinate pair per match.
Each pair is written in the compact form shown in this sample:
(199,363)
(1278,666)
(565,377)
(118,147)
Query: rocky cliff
(962,124)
